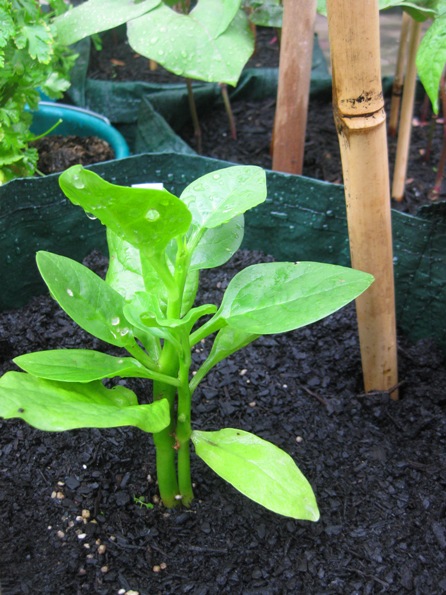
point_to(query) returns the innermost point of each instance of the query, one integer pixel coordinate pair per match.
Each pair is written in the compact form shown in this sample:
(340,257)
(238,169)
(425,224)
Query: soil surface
(254,122)
(69,523)
(57,153)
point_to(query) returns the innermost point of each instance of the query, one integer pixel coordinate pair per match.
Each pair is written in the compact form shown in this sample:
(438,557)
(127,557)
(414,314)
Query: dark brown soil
(57,153)
(69,523)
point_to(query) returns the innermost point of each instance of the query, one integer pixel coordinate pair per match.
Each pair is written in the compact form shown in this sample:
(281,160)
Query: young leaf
(81,365)
(221,195)
(86,298)
(142,217)
(276,297)
(218,244)
(124,272)
(260,470)
(56,406)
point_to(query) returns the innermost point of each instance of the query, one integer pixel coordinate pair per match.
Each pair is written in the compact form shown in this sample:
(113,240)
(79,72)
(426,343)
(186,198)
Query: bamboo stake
(361,124)
(296,56)
(398,81)
(405,127)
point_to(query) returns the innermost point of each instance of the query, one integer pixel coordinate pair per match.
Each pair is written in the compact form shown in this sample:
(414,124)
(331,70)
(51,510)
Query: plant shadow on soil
(68,520)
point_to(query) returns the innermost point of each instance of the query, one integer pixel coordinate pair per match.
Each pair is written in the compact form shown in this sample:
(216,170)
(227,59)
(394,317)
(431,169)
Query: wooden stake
(398,81)
(405,127)
(296,58)
(361,124)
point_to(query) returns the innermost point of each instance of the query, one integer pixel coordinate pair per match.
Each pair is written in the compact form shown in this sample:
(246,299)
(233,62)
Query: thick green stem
(184,429)
(165,440)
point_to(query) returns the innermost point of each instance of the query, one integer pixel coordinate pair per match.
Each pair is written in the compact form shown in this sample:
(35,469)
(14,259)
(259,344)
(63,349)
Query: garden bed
(69,522)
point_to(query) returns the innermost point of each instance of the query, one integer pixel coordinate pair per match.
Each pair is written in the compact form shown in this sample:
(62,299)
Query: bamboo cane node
(359,123)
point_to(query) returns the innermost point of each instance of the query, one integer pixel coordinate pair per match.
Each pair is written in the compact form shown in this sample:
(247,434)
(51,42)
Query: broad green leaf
(56,406)
(420,10)
(221,195)
(141,216)
(80,365)
(86,298)
(227,341)
(218,244)
(268,13)
(431,59)
(276,297)
(124,272)
(200,45)
(95,16)
(259,470)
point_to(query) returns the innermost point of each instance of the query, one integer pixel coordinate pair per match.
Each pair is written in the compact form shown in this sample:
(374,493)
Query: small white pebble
(178,497)
(121,592)
(86,513)
(82,571)
(90,556)
(112,537)
(60,534)
(252,404)
(243,372)
(104,569)
(82,536)
(60,495)
(80,519)
(284,385)
(155,499)
(87,546)
(163,566)
(61,483)
(156,568)
(131,592)
(101,549)
(299,439)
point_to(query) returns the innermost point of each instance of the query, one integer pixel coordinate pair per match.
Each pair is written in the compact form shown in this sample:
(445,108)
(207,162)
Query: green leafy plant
(210,42)
(31,57)
(158,243)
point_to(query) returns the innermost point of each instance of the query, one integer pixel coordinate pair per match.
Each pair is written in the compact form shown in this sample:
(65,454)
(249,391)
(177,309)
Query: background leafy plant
(31,57)
(158,243)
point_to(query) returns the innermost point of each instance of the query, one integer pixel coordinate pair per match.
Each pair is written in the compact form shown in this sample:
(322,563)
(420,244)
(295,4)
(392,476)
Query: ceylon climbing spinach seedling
(157,245)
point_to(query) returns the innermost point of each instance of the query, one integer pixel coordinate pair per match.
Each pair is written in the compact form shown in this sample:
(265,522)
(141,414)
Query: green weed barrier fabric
(121,101)
(302,219)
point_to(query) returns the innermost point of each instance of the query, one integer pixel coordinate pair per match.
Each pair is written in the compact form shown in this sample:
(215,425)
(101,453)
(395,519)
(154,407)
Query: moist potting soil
(70,518)
(70,521)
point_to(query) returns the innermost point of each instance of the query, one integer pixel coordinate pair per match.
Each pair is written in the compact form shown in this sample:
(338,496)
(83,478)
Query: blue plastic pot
(79,122)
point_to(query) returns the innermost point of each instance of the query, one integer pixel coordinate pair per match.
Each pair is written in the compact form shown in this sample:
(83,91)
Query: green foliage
(265,13)
(211,43)
(30,58)
(157,244)
(431,58)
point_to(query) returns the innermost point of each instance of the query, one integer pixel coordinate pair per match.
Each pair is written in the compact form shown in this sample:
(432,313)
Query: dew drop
(115,321)
(90,216)
(77,182)
(70,292)
(124,331)
(152,215)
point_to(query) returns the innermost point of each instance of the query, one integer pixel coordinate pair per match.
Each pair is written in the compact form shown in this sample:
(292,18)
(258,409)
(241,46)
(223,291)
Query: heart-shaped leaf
(259,470)
(212,43)
(95,16)
(56,406)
